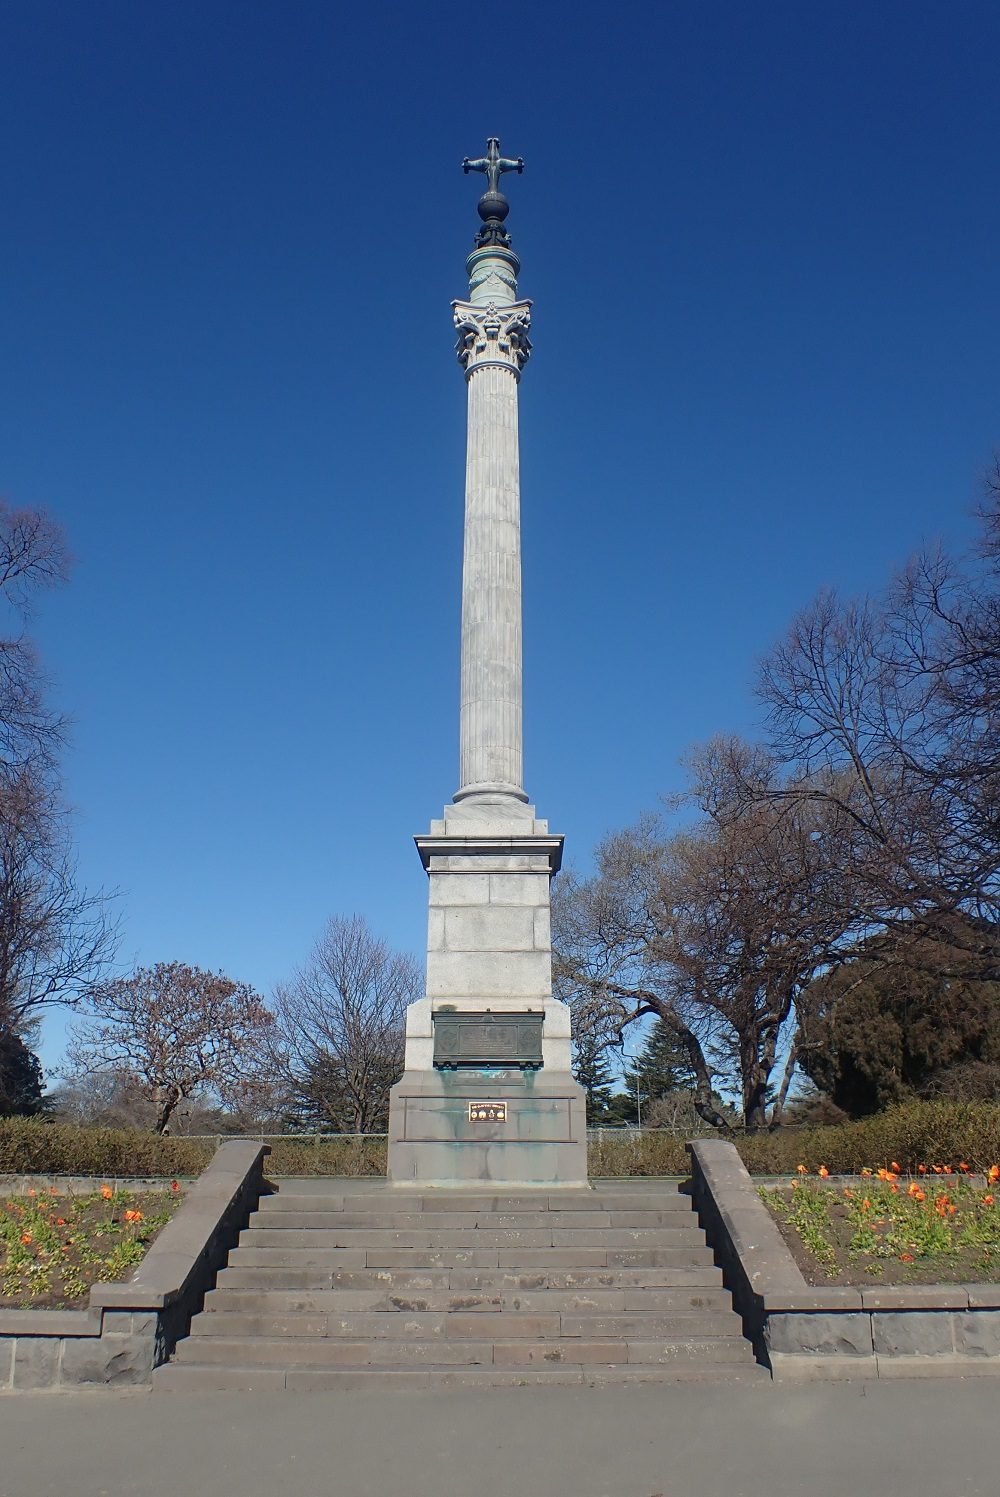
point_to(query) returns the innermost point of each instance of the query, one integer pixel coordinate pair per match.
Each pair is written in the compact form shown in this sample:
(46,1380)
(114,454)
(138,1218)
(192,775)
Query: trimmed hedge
(917,1133)
(32,1147)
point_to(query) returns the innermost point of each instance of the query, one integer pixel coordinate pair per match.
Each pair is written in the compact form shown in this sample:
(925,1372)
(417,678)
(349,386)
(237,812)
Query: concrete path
(922,1439)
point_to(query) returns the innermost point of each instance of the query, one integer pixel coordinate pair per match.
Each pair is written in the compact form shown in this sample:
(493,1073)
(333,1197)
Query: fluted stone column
(489,859)
(493,348)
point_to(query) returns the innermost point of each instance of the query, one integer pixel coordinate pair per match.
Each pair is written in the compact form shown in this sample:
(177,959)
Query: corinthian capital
(493,335)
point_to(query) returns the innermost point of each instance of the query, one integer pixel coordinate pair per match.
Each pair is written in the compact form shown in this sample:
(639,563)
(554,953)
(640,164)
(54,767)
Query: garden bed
(55,1245)
(941,1226)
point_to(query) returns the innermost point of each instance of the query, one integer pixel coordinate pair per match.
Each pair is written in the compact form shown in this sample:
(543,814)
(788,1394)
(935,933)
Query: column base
(433,1142)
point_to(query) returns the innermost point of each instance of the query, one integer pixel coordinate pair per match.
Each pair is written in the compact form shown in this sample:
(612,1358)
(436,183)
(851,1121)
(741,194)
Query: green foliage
(592,1070)
(935,1221)
(353,1156)
(917,1133)
(53,1246)
(322,1095)
(32,1147)
(874,1034)
(807,1213)
(661,1067)
(20,1077)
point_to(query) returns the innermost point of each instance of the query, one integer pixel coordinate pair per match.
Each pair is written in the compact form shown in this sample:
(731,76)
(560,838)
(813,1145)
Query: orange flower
(921,1169)
(918,1195)
(952,1210)
(133,1216)
(936,1168)
(948,1170)
(60,1221)
(987,1200)
(866,1204)
(866,1174)
(913,1189)
(32,1192)
(993,1173)
(895,1167)
(823,1172)
(795,1184)
(175,1185)
(25,1237)
(906,1257)
(849,1193)
(894,1189)
(801,1169)
(964,1168)
(107,1192)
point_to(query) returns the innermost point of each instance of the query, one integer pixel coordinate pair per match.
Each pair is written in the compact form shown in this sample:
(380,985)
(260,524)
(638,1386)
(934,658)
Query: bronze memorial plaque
(487,1039)
(487,1112)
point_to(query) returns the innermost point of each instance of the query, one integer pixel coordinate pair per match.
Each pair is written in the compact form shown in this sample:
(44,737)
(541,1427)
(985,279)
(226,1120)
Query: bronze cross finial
(493,164)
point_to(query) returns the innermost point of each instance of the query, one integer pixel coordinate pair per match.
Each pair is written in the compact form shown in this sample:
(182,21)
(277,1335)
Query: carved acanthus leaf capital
(493,335)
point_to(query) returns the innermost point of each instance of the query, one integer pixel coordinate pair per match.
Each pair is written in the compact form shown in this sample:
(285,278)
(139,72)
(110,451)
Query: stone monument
(487,1095)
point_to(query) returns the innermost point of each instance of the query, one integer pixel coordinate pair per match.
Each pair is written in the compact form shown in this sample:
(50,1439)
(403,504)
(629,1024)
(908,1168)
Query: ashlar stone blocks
(490,862)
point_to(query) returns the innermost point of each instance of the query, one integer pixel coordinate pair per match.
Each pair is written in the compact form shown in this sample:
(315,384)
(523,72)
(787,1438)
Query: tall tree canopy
(339,1037)
(712,931)
(177,1032)
(55,938)
(879,1029)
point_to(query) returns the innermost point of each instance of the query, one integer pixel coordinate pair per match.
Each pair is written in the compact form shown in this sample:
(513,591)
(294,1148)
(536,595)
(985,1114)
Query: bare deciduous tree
(888,710)
(714,930)
(32,557)
(340,1027)
(178,1031)
(55,938)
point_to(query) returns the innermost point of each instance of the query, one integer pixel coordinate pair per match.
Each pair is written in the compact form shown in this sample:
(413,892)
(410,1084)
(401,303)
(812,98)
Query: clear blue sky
(762,245)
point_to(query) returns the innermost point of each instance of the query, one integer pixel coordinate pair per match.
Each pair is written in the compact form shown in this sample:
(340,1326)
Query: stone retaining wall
(128,1329)
(800,1330)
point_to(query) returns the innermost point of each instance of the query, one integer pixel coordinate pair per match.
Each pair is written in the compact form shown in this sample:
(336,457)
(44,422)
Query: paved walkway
(921,1439)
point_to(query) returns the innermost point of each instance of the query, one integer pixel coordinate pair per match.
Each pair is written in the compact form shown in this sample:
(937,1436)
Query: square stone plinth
(432,1140)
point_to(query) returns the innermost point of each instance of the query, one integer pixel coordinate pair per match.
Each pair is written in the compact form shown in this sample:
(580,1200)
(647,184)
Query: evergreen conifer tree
(660,1067)
(592,1070)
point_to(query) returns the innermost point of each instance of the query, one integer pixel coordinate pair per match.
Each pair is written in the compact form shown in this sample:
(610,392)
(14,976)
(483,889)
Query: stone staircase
(348,1283)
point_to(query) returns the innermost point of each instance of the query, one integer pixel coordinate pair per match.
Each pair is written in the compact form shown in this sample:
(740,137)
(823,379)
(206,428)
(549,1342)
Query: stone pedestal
(489,862)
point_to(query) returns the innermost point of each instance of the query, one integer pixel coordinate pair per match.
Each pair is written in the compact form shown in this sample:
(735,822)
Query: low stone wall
(802,1331)
(128,1329)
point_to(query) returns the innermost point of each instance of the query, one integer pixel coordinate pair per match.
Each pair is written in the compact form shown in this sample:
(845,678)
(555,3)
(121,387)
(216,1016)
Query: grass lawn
(941,1226)
(54,1246)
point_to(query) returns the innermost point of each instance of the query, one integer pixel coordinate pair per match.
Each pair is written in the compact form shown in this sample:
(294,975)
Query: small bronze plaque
(487,1112)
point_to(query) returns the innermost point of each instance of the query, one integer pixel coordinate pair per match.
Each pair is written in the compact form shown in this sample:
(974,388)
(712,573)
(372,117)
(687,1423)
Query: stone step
(439,1301)
(288,1352)
(405,1280)
(471,1237)
(477,1323)
(696,1256)
(440,1221)
(374,1205)
(175,1377)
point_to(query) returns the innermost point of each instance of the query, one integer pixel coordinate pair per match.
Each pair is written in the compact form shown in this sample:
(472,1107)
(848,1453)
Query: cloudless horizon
(761,242)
